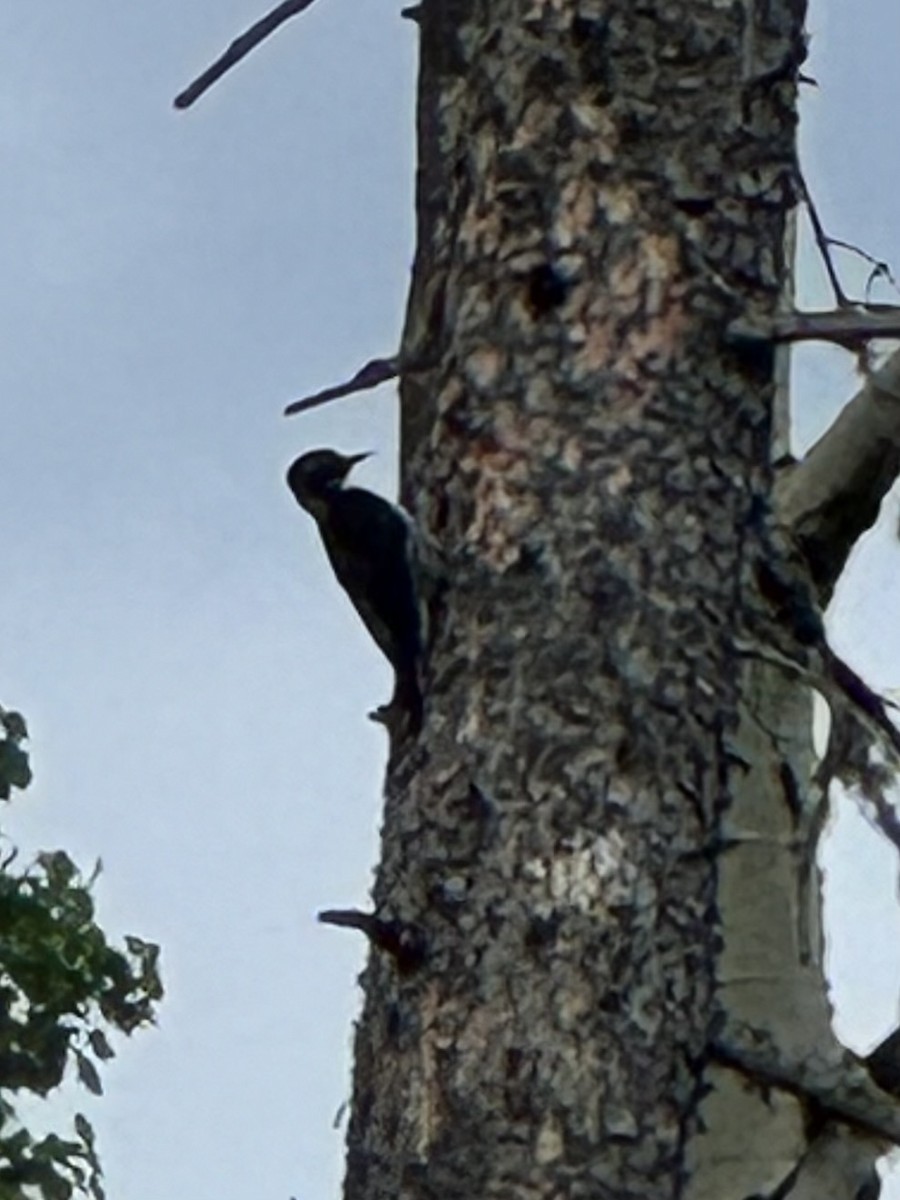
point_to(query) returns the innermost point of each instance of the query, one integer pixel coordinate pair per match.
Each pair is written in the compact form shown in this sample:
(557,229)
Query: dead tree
(596,967)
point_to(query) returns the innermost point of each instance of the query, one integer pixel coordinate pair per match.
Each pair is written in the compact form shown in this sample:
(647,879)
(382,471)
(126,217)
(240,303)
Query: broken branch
(239,48)
(404,943)
(376,371)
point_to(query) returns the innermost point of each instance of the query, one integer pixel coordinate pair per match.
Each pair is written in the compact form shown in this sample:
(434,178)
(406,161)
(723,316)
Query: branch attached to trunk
(832,497)
(849,327)
(404,943)
(376,371)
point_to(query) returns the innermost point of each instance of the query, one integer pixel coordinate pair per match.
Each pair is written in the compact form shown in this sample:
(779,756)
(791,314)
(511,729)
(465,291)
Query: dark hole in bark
(547,289)
(696,206)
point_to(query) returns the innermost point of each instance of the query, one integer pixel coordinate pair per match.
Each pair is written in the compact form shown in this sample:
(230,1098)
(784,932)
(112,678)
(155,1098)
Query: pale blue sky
(195,682)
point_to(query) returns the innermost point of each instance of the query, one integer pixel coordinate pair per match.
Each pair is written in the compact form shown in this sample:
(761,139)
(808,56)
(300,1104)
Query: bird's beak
(352,459)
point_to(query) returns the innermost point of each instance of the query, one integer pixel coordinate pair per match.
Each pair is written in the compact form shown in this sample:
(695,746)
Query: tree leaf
(100,1045)
(88,1074)
(84,1129)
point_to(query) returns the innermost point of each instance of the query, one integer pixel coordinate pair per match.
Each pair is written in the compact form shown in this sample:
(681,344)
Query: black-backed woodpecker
(372,547)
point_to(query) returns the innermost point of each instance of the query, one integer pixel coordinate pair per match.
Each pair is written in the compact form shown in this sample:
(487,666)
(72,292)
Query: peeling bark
(604,836)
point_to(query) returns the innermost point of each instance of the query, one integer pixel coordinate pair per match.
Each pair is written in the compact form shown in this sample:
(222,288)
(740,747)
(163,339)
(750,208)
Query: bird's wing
(372,550)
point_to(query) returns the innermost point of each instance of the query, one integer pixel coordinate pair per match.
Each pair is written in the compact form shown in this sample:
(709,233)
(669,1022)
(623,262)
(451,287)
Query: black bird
(372,547)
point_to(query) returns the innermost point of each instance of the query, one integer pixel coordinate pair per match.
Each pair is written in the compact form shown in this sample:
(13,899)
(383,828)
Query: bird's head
(314,474)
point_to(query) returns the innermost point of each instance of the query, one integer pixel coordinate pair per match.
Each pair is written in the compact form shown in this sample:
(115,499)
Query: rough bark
(600,844)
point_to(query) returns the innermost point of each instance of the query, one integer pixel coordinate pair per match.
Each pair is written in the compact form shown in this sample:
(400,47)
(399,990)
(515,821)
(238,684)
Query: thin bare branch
(880,266)
(880,269)
(377,370)
(240,48)
(823,241)
(849,327)
(832,497)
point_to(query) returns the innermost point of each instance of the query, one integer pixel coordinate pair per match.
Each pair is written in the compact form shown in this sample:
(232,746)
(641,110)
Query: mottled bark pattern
(607,189)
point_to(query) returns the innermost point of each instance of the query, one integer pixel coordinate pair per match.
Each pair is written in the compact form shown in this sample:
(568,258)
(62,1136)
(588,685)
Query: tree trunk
(603,977)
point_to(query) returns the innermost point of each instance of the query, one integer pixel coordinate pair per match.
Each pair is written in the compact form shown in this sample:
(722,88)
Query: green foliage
(62,987)
(55,1168)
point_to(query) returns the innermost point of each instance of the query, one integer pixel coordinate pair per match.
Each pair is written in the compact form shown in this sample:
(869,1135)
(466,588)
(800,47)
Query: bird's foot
(382,715)
(399,720)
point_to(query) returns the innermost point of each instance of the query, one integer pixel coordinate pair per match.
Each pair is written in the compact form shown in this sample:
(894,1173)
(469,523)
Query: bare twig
(378,370)
(240,48)
(880,269)
(823,241)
